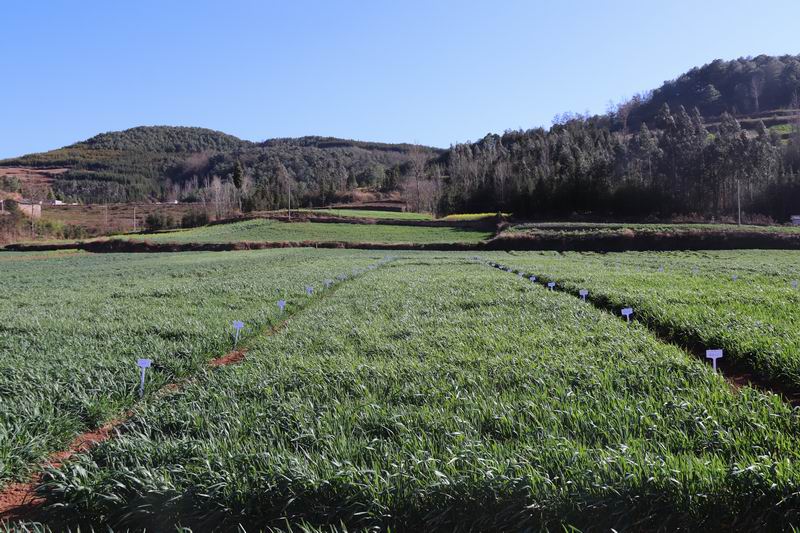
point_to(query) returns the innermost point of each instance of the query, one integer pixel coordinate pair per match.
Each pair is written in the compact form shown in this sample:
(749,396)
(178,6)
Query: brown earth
(35,182)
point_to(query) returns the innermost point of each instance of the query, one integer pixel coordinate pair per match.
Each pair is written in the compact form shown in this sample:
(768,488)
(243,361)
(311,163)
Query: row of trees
(581,166)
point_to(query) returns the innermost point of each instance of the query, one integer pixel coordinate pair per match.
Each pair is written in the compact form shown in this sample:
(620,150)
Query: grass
(591,228)
(472,216)
(754,319)
(73,324)
(261,230)
(366,213)
(438,394)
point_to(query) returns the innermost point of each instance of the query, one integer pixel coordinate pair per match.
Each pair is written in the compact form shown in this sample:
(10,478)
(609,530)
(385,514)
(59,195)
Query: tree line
(581,166)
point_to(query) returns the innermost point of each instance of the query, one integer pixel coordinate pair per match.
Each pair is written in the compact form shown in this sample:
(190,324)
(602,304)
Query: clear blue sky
(431,72)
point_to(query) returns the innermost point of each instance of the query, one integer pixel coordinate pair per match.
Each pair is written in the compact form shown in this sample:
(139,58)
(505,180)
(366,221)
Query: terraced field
(742,301)
(262,230)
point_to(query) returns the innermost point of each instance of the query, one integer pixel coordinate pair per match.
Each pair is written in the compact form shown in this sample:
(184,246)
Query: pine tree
(238,175)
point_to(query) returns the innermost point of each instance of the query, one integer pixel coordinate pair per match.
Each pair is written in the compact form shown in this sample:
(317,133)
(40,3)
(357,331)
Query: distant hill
(765,87)
(167,162)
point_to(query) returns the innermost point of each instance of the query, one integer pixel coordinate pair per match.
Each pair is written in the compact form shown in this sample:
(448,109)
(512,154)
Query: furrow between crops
(20,501)
(737,373)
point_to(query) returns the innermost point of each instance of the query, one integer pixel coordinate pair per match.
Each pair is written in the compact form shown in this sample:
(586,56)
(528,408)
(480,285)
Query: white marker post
(714,355)
(237,327)
(551,285)
(533,279)
(583,294)
(142,364)
(627,312)
(282,305)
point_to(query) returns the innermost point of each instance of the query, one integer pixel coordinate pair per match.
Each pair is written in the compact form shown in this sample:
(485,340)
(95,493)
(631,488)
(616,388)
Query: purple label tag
(328,283)
(143,364)
(551,284)
(583,293)
(309,291)
(282,305)
(735,277)
(714,355)
(794,283)
(661,269)
(533,279)
(627,312)
(238,324)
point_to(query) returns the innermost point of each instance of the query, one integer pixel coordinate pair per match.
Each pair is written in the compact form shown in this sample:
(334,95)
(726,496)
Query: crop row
(72,327)
(744,302)
(437,394)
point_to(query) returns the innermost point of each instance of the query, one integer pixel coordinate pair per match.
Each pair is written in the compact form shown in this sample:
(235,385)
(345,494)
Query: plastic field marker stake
(237,327)
(551,285)
(794,283)
(583,293)
(735,277)
(309,291)
(533,279)
(282,305)
(142,364)
(713,355)
(627,312)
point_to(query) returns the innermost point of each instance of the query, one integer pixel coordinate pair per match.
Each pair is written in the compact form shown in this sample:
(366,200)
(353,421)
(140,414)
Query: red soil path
(19,501)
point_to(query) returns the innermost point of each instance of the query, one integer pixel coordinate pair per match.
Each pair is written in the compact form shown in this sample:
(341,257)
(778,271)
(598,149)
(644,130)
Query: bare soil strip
(738,373)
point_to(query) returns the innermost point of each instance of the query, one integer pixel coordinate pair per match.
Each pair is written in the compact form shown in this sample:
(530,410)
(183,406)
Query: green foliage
(754,318)
(150,163)
(435,394)
(263,230)
(73,325)
(158,222)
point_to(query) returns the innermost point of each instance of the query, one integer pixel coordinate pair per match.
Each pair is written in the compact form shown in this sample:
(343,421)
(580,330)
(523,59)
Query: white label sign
(583,293)
(551,284)
(713,355)
(143,364)
(627,312)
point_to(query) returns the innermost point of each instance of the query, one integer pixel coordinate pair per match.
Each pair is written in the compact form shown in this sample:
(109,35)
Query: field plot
(261,230)
(741,301)
(369,213)
(571,229)
(72,326)
(436,393)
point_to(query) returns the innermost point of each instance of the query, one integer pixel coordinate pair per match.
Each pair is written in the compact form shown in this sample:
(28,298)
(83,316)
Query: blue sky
(429,72)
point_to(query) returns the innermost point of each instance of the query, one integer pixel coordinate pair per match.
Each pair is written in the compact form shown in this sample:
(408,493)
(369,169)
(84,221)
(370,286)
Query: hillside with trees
(762,87)
(719,136)
(164,163)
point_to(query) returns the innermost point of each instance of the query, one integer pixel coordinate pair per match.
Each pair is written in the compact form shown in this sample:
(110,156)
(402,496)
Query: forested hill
(182,163)
(766,87)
